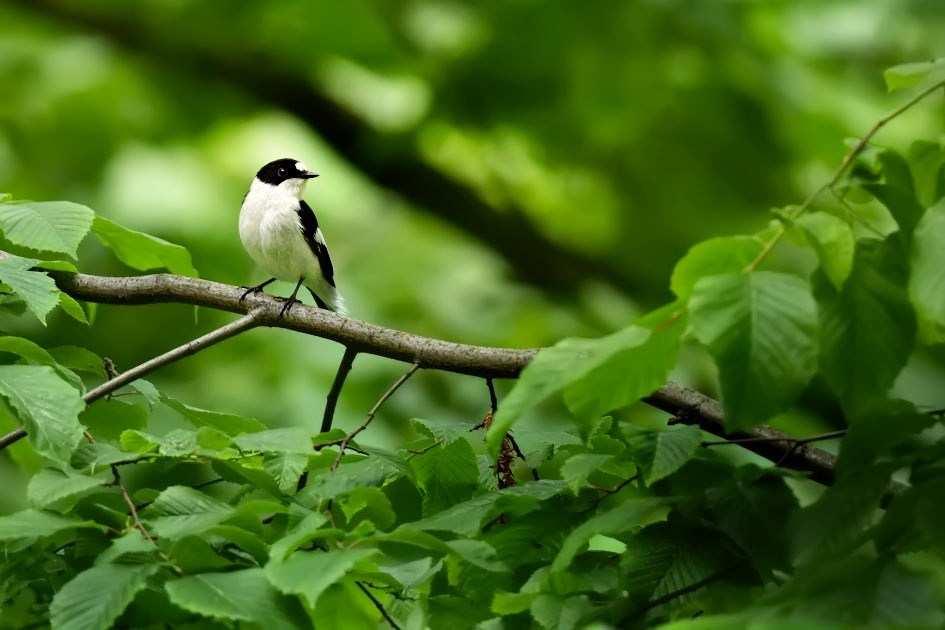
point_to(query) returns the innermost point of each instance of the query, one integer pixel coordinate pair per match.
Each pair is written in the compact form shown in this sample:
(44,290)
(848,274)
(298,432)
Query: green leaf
(448,475)
(98,455)
(72,308)
(667,558)
(754,510)
(131,547)
(833,526)
(728,254)
(367,504)
(143,251)
(35,287)
(578,468)
(907,74)
(227,423)
(48,407)
(286,469)
(631,373)
(630,513)
(926,160)
(876,431)
(180,511)
(832,240)
(36,354)
(443,432)
(761,328)
(555,612)
(77,358)
(661,453)
(343,606)
(309,573)
(302,533)
(468,517)
(50,226)
(868,328)
(289,440)
(555,368)
(927,278)
(51,485)
(93,599)
(33,524)
(244,595)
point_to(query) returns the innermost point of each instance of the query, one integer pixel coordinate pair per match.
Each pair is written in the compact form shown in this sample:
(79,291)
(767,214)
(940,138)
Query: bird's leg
(291,299)
(256,289)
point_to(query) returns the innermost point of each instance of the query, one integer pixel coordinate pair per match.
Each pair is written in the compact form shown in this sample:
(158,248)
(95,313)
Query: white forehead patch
(300,166)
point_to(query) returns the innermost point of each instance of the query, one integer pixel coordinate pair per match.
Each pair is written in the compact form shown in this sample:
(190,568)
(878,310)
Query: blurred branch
(688,406)
(390,161)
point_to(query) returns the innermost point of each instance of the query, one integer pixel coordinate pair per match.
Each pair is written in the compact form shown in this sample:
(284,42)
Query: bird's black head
(279,171)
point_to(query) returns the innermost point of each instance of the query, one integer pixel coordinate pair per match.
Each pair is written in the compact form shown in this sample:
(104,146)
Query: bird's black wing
(313,236)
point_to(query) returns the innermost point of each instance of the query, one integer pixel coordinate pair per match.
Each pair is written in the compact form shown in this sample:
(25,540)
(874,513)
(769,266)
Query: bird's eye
(281,172)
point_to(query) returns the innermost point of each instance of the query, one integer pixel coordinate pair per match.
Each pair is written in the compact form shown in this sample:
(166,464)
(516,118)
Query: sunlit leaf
(142,251)
(661,453)
(48,407)
(244,595)
(868,328)
(927,277)
(93,599)
(832,239)
(309,573)
(907,74)
(761,328)
(35,287)
(49,226)
(447,474)
(181,511)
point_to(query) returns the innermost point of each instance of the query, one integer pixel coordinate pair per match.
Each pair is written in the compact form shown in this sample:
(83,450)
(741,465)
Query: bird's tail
(334,302)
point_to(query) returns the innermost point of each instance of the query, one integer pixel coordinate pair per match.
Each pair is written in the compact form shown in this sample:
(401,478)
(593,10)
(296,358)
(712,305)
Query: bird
(280,232)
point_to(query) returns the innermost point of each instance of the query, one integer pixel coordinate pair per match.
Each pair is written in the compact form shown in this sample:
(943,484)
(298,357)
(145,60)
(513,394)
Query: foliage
(627,524)
(622,134)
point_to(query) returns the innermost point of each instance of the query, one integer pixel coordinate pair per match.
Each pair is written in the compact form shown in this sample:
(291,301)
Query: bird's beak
(309,175)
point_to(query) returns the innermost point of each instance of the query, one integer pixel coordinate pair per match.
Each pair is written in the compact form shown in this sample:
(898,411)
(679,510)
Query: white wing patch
(319,238)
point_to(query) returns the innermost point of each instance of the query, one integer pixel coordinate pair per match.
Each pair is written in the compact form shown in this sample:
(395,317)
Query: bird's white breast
(269,229)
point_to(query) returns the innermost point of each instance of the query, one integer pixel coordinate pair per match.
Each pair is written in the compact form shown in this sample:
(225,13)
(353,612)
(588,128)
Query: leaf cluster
(203,521)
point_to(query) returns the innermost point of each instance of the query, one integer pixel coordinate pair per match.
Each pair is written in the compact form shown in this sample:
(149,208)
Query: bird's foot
(256,289)
(289,302)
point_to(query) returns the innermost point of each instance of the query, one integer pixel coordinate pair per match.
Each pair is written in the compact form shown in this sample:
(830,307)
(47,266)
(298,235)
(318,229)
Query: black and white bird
(279,230)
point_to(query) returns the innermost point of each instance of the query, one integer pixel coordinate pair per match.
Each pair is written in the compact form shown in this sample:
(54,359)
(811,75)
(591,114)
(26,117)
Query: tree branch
(351,333)
(331,401)
(688,406)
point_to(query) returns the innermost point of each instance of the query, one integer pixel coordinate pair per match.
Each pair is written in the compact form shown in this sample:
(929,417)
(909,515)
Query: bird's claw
(289,302)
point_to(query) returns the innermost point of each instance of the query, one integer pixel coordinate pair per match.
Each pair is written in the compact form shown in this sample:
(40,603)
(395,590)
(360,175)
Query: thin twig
(769,438)
(332,399)
(844,165)
(251,320)
(133,511)
(342,443)
(493,400)
(378,605)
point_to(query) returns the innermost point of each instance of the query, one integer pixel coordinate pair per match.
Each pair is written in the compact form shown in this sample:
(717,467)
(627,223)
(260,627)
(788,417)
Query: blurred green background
(500,172)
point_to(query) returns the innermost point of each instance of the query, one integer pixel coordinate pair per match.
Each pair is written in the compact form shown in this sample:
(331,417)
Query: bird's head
(287,174)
